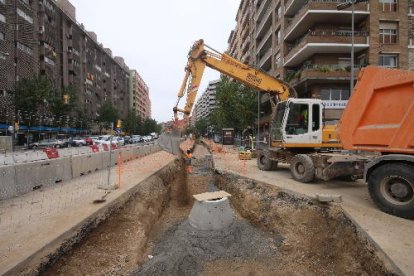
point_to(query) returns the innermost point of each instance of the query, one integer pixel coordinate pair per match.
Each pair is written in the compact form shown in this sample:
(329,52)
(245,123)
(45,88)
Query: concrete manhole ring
(212,214)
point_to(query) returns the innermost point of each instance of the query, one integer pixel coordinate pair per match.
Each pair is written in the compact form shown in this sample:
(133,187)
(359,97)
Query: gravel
(183,249)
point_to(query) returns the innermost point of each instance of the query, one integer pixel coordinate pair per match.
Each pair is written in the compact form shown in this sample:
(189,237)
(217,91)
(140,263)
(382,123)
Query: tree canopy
(236,106)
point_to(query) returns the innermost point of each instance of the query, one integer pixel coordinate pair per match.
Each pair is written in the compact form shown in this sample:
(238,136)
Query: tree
(149,125)
(201,126)
(64,104)
(236,106)
(131,123)
(33,95)
(108,114)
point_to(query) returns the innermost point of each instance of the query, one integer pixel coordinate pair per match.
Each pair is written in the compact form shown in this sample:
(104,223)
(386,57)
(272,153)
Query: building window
(2,36)
(388,60)
(388,32)
(25,16)
(24,48)
(2,18)
(335,94)
(389,5)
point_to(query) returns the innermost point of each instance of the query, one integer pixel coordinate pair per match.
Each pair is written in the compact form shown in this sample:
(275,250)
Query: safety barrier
(84,164)
(7,182)
(94,148)
(51,153)
(24,177)
(41,174)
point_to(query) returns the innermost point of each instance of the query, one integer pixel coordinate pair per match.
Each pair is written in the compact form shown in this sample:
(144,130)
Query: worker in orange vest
(188,157)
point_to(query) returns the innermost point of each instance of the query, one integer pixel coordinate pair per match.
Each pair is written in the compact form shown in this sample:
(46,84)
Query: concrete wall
(22,178)
(6,143)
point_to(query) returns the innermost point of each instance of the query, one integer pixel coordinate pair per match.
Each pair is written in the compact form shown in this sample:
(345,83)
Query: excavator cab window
(276,130)
(316,118)
(297,122)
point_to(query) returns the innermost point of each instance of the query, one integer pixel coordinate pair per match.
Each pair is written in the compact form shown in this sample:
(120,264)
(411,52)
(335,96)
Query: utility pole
(343,6)
(16,38)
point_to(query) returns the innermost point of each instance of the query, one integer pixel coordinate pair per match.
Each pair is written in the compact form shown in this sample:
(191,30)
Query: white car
(106,140)
(120,140)
(79,141)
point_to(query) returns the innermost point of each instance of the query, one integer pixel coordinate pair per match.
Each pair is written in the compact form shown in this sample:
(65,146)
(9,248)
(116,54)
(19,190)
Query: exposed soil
(118,245)
(274,233)
(318,239)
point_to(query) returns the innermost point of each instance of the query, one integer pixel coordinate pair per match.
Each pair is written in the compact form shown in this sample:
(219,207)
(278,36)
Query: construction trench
(269,232)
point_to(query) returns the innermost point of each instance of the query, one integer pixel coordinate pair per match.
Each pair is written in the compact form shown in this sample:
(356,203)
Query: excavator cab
(297,123)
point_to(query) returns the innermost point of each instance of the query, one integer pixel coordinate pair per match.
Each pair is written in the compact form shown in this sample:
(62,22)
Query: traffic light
(119,124)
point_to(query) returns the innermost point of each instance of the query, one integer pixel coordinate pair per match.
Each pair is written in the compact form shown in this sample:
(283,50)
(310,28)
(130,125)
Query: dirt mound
(184,250)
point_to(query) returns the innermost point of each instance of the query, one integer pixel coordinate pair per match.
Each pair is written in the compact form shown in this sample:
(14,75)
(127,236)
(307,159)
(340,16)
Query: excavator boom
(201,55)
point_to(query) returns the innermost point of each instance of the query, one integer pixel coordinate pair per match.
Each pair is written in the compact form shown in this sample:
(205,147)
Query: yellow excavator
(201,55)
(304,113)
(300,136)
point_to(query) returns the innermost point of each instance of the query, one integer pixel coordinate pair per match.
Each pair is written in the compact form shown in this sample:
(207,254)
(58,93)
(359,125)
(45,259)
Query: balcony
(263,8)
(265,40)
(245,33)
(265,24)
(319,12)
(321,73)
(325,42)
(246,58)
(245,45)
(265,59)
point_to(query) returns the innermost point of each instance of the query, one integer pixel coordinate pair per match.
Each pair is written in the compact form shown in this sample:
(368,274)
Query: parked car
(120,140)
(78,141)
(147,138)
(127,140)
(106,140)
(62,143)
(94,138)
(46,143)
(89,141)
(137,139)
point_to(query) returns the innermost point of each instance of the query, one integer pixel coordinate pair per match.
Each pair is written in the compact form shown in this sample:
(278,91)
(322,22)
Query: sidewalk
(393,236)
(35,224)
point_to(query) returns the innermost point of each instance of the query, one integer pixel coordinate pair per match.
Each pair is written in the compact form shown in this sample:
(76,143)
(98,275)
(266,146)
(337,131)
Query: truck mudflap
(330,166)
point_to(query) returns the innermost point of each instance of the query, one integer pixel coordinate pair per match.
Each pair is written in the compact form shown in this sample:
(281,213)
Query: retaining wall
(22,178)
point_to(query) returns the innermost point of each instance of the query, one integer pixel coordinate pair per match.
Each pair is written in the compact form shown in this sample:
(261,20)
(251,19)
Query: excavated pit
(273,233)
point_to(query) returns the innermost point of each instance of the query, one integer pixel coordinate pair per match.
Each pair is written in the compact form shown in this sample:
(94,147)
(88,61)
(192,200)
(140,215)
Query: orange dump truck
(379,118)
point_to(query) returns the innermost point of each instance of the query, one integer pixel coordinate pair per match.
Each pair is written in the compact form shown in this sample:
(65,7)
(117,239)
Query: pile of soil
(184,250)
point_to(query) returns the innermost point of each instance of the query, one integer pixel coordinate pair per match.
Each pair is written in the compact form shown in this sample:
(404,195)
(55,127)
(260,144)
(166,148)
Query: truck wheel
(264,163)
(391,187)
(302,168)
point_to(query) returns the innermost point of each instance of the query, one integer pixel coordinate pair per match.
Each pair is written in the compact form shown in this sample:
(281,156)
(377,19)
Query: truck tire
(391,187)
(264,163)
(302,168)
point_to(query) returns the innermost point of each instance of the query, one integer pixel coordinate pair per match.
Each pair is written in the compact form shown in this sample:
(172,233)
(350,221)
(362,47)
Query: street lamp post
(343,6)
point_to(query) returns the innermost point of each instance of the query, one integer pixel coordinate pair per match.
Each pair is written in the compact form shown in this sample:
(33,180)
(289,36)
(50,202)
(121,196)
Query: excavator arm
(201,55)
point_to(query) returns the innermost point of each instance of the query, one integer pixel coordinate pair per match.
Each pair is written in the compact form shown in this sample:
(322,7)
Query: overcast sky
(154,38)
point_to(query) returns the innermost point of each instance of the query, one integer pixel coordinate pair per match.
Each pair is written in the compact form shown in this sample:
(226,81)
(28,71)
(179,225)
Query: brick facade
(285,34)
(50,42)
(139,95)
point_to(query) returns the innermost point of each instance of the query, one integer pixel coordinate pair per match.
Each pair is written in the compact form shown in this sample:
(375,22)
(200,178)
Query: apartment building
(139,95)
(308,44)
(43,37)
(207,102)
